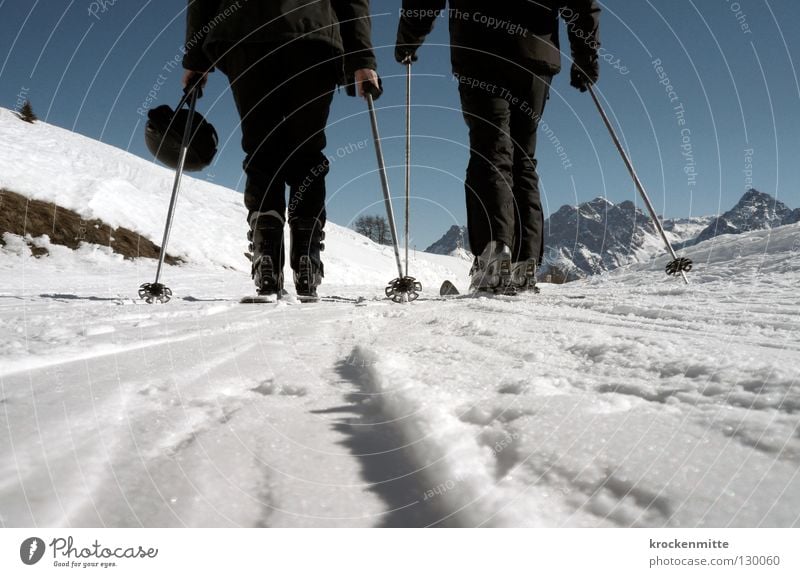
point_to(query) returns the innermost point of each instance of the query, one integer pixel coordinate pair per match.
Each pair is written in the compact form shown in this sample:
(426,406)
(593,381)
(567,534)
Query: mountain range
(600,235)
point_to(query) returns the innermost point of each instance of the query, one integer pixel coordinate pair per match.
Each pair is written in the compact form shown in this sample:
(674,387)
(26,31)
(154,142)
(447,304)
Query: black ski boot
(491,270)
(523,276)
(266,250)
(306,261)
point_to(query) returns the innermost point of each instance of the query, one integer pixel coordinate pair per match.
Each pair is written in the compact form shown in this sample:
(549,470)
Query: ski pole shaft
(635,177)
(408,154)
(387,197)
(176,186)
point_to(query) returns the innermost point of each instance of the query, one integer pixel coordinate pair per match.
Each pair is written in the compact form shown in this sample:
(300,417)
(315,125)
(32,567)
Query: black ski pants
(502,111)
(283,95)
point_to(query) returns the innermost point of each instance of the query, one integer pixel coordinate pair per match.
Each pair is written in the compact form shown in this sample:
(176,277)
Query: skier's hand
(195,77)
(405,53)
(367,76)
(585,72)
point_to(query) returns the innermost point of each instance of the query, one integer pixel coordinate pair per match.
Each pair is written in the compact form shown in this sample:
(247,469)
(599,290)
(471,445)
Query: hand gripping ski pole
(155,291)
(678,265)
(404,288)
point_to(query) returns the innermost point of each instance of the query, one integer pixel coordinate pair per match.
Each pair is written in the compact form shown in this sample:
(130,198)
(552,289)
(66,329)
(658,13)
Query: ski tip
(264,298)
(257,299)
(448,289)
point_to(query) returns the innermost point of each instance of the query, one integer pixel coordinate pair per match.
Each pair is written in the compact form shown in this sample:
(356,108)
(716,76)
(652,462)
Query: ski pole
(408,152)
(678,265)
(155,291)
(403,288)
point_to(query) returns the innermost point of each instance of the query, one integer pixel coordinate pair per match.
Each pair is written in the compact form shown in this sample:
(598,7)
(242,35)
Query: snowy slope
(95,180)
(626,400)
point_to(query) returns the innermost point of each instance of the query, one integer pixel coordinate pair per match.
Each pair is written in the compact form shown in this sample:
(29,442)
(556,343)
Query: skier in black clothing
(504,55)
(284,59)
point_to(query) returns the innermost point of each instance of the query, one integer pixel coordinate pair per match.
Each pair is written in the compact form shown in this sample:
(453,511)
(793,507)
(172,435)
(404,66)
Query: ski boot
(307,236)
(491,271)
(266,250)
(523,276)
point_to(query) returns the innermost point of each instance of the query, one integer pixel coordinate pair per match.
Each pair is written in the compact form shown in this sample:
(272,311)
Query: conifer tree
(26,113)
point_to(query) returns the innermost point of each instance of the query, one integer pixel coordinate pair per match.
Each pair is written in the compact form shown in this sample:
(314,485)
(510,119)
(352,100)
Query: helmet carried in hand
(164,132)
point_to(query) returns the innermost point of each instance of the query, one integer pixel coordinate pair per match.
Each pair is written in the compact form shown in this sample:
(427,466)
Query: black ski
(448,289)
(262,299)
(266,299)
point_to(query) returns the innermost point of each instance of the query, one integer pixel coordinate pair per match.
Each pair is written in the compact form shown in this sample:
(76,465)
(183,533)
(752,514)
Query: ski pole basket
(404,289)
(678,266)
(151,292)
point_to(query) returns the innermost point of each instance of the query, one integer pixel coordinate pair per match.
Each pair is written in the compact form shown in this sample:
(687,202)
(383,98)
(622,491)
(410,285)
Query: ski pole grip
(190,95)
(195,84)
(372,90)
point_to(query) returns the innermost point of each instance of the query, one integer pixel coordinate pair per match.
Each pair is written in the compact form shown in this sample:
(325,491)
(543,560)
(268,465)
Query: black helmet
(163,135)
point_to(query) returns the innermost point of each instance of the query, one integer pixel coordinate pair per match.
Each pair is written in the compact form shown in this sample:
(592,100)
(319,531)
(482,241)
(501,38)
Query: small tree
(364,225)
(374,227)
(382,233)
(26,113)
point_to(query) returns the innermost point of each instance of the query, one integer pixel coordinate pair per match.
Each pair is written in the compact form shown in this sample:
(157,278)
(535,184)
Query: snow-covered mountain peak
(755,211)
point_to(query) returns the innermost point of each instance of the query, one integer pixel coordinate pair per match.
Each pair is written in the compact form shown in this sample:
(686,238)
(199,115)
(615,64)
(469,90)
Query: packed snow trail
(584,422)
(191,420)
(629,401)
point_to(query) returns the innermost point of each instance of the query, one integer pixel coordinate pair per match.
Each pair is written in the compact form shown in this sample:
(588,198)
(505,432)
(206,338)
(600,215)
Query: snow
(627,399)
(681,230)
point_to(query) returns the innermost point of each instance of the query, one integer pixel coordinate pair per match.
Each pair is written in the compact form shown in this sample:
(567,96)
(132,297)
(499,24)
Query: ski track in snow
(604,381)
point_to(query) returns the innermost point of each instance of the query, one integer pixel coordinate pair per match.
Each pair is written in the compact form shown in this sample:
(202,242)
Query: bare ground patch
(21,216)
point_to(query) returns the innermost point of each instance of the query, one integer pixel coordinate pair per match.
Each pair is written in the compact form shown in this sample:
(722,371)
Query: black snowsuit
(504,55)
(284,59)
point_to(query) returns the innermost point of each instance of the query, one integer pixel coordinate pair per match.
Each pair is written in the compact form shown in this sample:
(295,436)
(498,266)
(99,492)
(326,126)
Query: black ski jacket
(484,33)
(214,25)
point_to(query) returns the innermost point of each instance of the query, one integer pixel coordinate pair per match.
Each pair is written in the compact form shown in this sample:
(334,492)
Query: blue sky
(89,67)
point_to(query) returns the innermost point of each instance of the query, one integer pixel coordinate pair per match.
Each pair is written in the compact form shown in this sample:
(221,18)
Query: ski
(448,289)
(272,299)
(340,299)
(263,299)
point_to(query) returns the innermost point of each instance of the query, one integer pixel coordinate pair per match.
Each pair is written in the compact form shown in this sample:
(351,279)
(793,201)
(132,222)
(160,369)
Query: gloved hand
(405,53)
(585,71)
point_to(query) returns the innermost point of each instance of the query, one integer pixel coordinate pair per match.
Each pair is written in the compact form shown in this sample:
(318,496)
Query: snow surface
(626,400)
